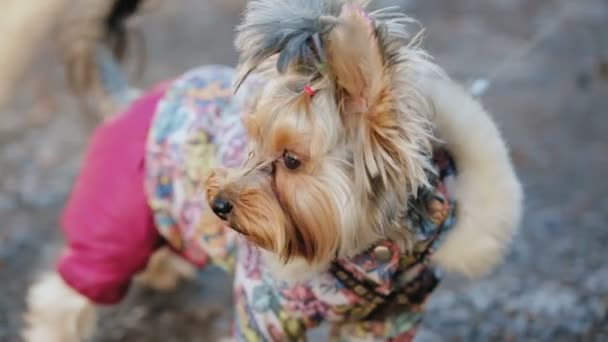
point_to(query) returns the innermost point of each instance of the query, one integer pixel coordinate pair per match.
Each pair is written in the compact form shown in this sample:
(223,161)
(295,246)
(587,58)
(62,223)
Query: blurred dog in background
(23,27)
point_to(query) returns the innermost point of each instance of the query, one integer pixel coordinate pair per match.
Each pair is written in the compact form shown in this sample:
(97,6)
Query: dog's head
(339,137)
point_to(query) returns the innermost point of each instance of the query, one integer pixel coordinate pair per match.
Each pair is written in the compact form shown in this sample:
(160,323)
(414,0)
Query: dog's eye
(291,161)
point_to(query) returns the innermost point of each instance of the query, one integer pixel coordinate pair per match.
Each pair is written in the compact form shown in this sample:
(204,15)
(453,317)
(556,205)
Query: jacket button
(382,253)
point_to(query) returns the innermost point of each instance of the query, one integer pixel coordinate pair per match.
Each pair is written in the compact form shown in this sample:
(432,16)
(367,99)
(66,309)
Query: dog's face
(296,194)
(334,154)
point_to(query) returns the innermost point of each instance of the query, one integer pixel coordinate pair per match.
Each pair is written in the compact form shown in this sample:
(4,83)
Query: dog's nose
(221,207)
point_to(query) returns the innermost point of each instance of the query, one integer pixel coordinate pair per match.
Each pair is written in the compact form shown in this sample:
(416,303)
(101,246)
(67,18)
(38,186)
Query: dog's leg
(165,270)
(488,192)
(56,313)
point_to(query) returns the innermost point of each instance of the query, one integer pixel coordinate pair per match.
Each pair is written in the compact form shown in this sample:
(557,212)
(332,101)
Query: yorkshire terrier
(336,177)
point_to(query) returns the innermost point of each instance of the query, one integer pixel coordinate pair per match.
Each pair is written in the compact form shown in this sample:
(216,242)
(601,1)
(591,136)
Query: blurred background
(547,63)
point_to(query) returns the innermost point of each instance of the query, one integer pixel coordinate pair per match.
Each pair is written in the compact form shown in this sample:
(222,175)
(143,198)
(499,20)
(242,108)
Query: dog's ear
(391,144)
(355,61)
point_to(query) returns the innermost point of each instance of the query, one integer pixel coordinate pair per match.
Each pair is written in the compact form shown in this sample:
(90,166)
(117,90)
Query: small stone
(479,87)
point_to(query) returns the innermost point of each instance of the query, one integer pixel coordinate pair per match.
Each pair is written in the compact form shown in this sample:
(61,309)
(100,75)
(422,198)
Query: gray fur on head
(291,28)
(295,30)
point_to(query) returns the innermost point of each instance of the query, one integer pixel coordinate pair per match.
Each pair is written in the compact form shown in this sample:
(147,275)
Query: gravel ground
(551,104)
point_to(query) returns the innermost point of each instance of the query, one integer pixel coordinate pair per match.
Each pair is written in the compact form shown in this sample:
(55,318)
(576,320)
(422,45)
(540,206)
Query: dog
(22,37)
(337,180)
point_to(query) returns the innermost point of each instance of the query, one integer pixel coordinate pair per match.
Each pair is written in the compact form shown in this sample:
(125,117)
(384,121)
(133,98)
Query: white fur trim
(488,192)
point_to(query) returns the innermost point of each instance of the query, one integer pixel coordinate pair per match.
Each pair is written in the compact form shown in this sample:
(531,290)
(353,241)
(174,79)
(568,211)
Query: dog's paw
(166,270)
(56,313)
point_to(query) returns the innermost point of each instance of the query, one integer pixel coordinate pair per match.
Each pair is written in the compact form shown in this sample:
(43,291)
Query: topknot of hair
(291,29)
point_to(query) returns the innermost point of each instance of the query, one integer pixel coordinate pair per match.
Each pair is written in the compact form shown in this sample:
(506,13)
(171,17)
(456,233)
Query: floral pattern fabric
(197,127)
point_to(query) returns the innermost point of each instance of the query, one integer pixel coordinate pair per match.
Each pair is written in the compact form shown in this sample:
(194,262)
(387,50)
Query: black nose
(221,207)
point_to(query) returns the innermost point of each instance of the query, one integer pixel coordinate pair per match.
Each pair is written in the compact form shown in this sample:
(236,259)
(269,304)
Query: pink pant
(107,221)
